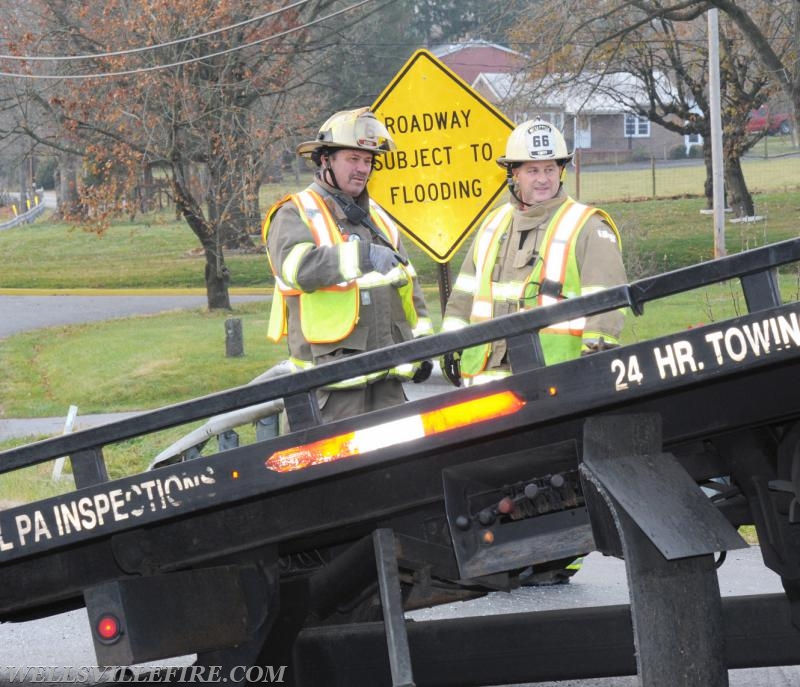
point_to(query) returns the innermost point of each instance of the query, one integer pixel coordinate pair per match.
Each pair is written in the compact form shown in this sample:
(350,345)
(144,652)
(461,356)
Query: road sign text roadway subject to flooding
(442,178)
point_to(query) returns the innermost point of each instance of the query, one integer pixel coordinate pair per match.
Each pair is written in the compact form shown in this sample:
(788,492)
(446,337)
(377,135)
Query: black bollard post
(234,344)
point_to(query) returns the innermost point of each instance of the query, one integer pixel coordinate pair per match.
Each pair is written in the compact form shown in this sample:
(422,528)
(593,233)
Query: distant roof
(450,48)
(591,94)
(504,85)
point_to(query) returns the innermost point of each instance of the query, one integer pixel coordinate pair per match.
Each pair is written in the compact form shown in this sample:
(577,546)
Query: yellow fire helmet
(535,139)
(359,129)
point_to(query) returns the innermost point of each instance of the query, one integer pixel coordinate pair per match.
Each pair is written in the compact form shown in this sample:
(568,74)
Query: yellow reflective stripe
(352,382)
(586,290)
(423,328)
(291,265)
(284,288)
(485,377)
(547,300)
(348,260)
(384,222)
(482,310)
(453,324)
(405,371)
(576,564)
(483,245)
(393,277)
(467,283)
(487,246)
(356,382)
(558,250)
(571,327)
(318,217)
(507,291)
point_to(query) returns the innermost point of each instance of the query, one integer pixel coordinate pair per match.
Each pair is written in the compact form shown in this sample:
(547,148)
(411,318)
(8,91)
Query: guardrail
(26,217)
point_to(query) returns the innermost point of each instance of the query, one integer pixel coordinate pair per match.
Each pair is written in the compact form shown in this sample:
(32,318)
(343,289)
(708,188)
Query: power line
(132,51)
(142,70)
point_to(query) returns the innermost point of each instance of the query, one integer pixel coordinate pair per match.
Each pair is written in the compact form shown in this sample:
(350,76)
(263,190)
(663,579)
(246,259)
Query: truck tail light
(108,628)
(397,431)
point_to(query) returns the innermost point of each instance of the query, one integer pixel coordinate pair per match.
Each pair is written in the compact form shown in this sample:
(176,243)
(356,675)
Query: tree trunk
(217,281)
(233,230)
(217,277)
(68,197)
(226,203)
(147,190)
(24,187)
(252,186)
(739,198)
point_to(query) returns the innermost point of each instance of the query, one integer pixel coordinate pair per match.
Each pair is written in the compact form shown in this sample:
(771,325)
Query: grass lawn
(148,362)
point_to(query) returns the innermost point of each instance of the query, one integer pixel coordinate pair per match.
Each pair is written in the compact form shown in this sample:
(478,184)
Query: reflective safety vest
(330,314)
(558,269)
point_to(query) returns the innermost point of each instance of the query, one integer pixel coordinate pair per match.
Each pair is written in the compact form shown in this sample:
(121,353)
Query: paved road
(63,640)
(24,313)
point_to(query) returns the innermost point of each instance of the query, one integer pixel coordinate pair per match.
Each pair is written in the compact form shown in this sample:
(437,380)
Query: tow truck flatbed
(446,514)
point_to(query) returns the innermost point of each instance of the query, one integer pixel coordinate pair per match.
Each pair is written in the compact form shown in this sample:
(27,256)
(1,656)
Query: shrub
(677,152)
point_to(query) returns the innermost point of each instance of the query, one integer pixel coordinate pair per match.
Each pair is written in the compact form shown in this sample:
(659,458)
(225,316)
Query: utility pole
(717,168)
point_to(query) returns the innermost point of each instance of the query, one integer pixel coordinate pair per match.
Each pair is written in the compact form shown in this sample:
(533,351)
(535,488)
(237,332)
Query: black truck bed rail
(99,508)
(754,268)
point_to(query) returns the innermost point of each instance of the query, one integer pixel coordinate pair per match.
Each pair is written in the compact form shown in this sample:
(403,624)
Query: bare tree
(200,109)
(772,27)
(669,61)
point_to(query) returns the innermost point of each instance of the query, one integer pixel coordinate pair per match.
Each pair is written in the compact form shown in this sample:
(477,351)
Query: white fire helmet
(359,129)
(535,139)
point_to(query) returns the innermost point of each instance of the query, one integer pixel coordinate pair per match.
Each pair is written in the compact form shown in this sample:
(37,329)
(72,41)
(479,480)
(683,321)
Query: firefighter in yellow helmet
(538,248)
(343,282)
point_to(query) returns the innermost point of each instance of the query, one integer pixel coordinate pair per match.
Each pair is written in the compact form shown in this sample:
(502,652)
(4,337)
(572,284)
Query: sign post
(443,178)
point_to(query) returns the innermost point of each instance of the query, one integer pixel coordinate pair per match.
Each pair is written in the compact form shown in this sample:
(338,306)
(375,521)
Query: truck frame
(305,550)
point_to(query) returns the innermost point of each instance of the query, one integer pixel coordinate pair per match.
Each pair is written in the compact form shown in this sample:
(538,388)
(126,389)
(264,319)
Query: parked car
(772,122)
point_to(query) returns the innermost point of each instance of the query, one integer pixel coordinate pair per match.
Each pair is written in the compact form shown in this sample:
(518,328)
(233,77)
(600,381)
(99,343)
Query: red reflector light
(108,629)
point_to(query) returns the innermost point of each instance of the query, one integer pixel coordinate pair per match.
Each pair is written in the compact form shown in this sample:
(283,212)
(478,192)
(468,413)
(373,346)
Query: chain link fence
(771,166)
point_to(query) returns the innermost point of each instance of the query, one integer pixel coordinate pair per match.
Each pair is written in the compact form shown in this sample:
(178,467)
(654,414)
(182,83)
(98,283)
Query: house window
(555,118)
(636,127)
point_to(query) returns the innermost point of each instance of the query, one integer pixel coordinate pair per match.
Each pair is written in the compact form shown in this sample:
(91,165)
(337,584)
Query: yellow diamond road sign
(443,178)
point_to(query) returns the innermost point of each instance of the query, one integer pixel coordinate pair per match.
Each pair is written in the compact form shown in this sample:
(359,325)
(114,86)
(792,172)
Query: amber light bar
(386,434)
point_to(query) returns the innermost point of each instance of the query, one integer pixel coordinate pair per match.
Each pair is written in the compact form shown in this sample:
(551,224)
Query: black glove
(423,371)
(451,367)
(601,344)
(383,259)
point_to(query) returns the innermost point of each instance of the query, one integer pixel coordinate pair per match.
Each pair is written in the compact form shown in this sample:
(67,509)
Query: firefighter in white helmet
(343,282)
(540,247)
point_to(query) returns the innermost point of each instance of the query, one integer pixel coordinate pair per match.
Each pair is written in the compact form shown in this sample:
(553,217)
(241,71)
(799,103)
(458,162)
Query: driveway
(20,313)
